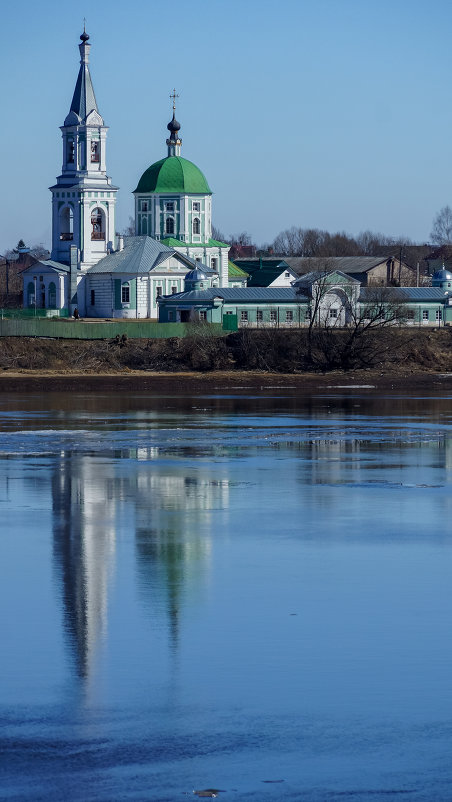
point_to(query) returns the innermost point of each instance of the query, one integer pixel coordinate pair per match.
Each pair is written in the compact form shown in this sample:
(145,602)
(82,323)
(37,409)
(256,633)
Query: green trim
(118,304)
(133,292)
(172,242)
(236,272)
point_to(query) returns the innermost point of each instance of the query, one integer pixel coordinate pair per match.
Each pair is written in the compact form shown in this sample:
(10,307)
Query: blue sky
(329,114)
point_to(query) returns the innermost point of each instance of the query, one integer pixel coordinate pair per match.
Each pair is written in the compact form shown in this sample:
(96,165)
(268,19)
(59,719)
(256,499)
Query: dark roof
(346,264)
(84,99)
(262,272)
(242,295)
(309,278)
(405,294)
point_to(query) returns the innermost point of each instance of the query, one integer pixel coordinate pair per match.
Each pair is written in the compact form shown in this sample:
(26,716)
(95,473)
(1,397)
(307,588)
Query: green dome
(173,174)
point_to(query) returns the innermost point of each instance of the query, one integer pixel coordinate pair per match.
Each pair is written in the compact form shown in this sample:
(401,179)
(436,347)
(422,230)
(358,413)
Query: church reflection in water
(97,500)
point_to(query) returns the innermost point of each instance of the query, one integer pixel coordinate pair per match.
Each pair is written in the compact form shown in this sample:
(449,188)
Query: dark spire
(174,142)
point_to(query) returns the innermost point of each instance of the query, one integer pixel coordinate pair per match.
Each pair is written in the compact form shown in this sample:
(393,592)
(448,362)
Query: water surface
(252,594)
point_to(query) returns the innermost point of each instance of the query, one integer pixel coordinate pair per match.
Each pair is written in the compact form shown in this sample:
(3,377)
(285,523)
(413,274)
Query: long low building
(332,298)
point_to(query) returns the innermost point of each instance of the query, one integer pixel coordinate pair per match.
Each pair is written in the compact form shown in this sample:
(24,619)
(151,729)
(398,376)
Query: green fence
(105,330)
(31,313)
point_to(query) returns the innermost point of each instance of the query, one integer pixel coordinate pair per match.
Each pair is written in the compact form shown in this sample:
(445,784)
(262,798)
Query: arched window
(30,293)
(66,224)
(196,225)
(70,151)
(97,224)
(52,295)
(95,151)
(169,225)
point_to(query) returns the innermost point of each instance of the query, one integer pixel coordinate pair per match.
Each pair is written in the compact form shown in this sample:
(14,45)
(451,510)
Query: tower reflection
(99,499)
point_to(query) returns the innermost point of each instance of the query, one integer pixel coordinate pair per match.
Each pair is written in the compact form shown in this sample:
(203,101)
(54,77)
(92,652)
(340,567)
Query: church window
(70,151)
(169,207)
(196,225)
(52,295)
(97,224)
(213,264)
(169,225)
(93,297)
(125,293)
(173,290)
(196,206)
(144,206)
(159,292)
(95,151)
(66,224)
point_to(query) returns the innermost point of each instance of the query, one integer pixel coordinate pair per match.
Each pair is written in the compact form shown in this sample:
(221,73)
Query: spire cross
(173,97)
(84,24)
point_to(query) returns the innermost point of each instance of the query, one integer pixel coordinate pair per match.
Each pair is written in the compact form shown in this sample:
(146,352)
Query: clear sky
(333,114)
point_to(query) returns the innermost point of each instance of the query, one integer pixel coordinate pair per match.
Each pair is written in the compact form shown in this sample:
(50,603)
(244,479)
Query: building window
(170,316)
(173,290)
(169,225)
(243,316)
(289,316)
(196,225)
(95,151)
(287,274)
(125,294)
(66,224)
(259,316)
(144,206)
(439,314)
(203,315)
(425,314)
(93,297)
(333,314)
(70,151)
(97,224)
(213,263)
(169,207)
(307,314)
(410,314)
(273,316)
(196,206)
(159,292)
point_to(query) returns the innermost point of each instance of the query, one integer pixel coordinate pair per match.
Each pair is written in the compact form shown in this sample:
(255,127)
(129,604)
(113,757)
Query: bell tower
(83,199)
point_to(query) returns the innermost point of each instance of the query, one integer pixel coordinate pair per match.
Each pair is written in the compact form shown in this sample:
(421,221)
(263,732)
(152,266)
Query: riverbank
(229,382)
(256,361)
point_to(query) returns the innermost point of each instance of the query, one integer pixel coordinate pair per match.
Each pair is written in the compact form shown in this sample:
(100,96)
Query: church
(91,268)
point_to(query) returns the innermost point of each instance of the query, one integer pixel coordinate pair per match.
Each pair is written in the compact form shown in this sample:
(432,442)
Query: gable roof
(345,264)
(46,265)
(307,279)
(263,271)
(139,255)
(236,272)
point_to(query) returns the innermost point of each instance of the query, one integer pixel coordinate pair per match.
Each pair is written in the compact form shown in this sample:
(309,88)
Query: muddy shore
(230,382)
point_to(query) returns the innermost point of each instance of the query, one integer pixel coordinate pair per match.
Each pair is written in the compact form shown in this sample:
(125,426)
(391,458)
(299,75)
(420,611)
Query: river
(252,594)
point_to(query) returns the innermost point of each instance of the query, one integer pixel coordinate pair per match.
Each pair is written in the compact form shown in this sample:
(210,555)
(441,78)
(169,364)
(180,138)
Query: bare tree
(368,335)
(441,233)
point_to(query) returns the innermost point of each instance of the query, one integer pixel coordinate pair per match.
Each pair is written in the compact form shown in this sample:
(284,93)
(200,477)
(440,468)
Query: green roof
(173,174)
(172,242)
(236,272)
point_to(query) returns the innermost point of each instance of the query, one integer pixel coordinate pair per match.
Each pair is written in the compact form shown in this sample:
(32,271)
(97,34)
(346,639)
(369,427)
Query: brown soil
(421,362)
